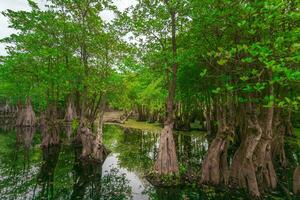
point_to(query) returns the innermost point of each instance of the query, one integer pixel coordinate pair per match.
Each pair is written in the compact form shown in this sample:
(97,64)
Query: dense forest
(227,68)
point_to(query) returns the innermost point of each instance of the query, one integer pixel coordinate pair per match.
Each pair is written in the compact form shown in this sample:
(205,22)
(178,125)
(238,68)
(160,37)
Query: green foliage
(68,49)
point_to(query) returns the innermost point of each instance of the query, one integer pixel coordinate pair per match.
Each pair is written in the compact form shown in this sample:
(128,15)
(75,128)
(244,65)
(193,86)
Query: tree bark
(166,162)
(50,128)
(263,157)
(26,116)
(279,130)
(215,166)
(242,172)
(296,181)
(71,111)
(99,151)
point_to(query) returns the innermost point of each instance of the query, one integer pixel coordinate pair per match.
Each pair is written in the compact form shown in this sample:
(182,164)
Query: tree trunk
(29,115)
(99,151)
(215,165)
(71,111)
(265,171)
(50,128)
(242,172)
(26,116)
(296,181)
(166,162)
(279,130)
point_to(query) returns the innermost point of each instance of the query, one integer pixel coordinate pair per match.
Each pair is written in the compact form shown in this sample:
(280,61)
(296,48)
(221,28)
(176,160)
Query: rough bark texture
(279,130)
(71,112)
(50,128)
(91,145)
(26,116)
(243,170)
(215,165)
(263,156)
(99,151)
(20,115)
(166,162)
(296,181)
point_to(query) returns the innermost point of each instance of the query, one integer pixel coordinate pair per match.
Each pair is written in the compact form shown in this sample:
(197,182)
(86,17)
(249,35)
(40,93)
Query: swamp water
(29,172)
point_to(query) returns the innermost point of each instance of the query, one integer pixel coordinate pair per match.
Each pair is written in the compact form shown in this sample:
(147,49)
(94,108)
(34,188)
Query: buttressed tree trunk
(26,116)
(71,111)
(99,151)
(69,117)
(263,155)
(215,166)
(20,114)
(265,172)
(166,162)
(92,146)
(29,115)
(242,172)
(50,128)
(279,130)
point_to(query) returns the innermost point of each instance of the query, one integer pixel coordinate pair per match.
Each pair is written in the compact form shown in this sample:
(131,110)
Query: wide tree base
(166,162)
(91,146)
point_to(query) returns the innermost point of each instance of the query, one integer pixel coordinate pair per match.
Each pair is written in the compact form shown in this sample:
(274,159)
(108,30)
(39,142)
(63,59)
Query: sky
(23,5)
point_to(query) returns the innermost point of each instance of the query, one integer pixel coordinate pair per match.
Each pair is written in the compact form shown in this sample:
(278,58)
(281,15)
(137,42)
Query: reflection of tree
(191,148)
(89,183)
(45,178)
(194,193)
(69,130)
(136,149)
(168,194)
(24,138)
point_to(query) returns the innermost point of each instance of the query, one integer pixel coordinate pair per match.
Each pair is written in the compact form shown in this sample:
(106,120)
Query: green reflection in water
(29,172)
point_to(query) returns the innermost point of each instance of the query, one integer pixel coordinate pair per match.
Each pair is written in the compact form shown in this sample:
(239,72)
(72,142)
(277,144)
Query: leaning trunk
(265,171)
(242,172)
(215,166)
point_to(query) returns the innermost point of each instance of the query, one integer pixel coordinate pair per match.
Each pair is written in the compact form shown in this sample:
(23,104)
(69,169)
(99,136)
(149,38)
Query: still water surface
(29,172)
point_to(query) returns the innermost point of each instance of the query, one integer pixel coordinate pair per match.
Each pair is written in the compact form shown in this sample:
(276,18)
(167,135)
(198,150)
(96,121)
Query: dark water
(29,172)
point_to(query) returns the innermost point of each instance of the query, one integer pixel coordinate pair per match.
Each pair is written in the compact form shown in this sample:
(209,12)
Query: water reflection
(68,127)
(28,171)
(24,139)
(90,183)
(45,177)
